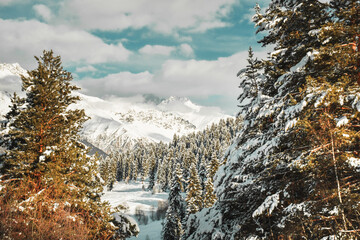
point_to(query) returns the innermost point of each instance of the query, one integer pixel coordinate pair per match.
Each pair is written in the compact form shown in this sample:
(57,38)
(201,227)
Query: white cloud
(21,40)
(160,15)
(156,50)
(118,84)
(183,49)
(87,68)
(186,50)
(43,11)
(202,27)
(182,38)
(197,80)
(189,78)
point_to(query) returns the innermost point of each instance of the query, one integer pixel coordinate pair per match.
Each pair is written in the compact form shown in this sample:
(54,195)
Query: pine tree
(172,228)
(333,128)
(193,192)
(293,170)
(46,165)
(251,80)
(292,27)
(112,165)
(152,172)
(188,158)
(209,195)
(164,172)
(213,165)
(119,167)
(202,172)
(104,169)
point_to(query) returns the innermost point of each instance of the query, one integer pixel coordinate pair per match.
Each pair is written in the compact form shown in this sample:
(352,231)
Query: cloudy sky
(191,48)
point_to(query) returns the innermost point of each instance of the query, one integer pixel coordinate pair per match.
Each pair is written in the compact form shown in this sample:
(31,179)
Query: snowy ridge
(14,69)
(123,124)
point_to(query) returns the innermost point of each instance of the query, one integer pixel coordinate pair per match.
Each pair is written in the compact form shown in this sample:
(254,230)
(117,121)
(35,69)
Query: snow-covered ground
(134,197)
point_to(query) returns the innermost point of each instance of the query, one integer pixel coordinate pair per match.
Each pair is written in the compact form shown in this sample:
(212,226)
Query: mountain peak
(7,69)
(175,99)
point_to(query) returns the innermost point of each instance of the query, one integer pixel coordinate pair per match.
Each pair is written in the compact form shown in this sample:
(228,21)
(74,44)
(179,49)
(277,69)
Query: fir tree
(152,172)
(104,169)
(251,80)
(193,192)
(172,228)
(292,172)
(112,165)
(119,168)
(46,164)
(209,195)
(213,166)
(333,128)
(164,172)
(202,172)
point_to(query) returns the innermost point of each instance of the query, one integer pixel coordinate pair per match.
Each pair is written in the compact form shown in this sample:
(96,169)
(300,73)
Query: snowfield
(134,197)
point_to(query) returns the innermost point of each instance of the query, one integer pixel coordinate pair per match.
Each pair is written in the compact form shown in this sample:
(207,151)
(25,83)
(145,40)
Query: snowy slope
(124,122)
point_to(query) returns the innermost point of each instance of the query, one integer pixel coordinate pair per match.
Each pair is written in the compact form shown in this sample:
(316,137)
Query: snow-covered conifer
(152,171)
(292,171)
(209,197)
(172,228)
(194,192)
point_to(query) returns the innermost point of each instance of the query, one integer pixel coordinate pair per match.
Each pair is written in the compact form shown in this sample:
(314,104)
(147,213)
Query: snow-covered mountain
(124,122)
(13,69)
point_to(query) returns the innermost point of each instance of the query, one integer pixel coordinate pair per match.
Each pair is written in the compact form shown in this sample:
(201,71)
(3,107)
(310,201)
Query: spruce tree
(251,80)
(104,169)
(112,165)
(292,172)
(119,167)
(193,192)
(172,228)
(46,165)
(164,172)
(209,195)
(202,172)
(213,165)
(152,171)
(333,128)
